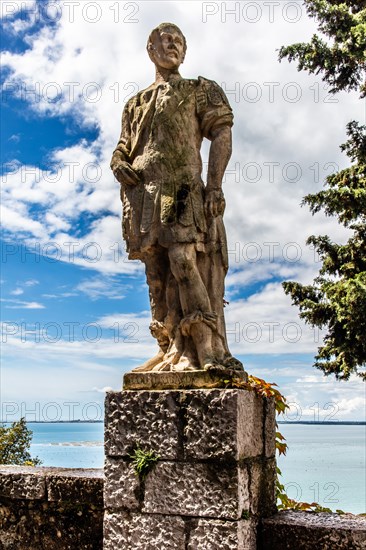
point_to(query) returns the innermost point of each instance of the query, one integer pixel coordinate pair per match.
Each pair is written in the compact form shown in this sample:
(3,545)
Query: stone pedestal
(215,476)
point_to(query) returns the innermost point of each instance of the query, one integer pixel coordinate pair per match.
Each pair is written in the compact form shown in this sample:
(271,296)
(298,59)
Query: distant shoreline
(327,422)
(56,421)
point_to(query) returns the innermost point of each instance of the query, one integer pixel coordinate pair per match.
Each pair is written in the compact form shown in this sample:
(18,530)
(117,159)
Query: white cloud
(19,223)
(56,223)
(31,282)
(266,323)
(314,397)
(17,292)
(98,288)
(20,304)
(348,406)
(66,192)
(122,336)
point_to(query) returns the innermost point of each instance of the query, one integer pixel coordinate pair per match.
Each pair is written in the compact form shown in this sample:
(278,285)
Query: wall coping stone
(321,520)
(52,484)
(308,530)
(96,473)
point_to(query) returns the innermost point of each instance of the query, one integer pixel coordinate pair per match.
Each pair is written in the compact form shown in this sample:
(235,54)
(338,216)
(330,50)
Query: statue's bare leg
(198,319)
(157,271)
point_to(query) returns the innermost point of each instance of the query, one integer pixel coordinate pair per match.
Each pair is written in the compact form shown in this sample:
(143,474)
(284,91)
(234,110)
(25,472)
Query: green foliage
(337,298)
(341,58)
(261,388)
(14,445)
(143,462)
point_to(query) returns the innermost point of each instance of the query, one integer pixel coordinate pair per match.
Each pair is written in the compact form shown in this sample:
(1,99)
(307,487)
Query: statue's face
(167,49)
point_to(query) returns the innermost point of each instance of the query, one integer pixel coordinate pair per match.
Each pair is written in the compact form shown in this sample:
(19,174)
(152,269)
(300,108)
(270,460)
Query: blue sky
(75,312)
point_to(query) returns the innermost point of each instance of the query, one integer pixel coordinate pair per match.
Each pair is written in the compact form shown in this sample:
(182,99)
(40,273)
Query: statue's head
(167,46)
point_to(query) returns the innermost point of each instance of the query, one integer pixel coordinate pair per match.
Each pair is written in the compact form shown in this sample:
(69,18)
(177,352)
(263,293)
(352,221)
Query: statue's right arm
(120,163)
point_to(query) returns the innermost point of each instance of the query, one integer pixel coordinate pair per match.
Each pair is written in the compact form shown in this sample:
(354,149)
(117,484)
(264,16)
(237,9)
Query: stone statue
(172,221)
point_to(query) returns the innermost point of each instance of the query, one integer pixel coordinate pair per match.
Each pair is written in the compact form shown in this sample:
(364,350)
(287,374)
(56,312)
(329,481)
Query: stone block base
(166,532)
(213,480)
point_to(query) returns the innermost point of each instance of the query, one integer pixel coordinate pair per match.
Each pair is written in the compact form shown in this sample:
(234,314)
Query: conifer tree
(336,300)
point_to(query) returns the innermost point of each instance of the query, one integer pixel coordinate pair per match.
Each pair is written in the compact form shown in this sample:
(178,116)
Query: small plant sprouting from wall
(143,462)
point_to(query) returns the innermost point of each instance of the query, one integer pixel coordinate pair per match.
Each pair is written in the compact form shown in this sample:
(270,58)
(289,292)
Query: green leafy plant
(267,389)
(143,462)
(15,441)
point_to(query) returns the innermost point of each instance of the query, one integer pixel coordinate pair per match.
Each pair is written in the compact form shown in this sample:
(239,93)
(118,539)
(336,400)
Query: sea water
(68,444)
(324,463)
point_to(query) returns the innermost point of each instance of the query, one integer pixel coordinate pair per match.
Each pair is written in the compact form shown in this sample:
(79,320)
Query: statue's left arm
(220,153)
(216,121)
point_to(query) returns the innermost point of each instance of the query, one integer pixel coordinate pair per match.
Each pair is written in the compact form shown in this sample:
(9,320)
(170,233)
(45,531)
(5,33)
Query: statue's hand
(214,202)
(124,173)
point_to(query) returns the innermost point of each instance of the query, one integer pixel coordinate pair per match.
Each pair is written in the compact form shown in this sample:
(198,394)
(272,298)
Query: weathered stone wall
(309,531)
(59,509)
(214,478)
(51,508)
